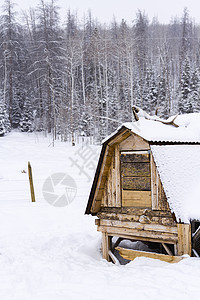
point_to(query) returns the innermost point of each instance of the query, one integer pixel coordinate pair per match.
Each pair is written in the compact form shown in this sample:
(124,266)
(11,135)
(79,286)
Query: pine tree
(184,104)
(162,104)
(195,91)
(14,70)
(46,63)
(141,32)
(4,118)
(27,117)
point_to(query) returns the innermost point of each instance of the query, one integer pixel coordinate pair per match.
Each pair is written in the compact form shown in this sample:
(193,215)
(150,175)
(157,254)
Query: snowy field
(53,253)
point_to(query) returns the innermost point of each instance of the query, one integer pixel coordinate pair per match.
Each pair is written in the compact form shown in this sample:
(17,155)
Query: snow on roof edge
(154,131)
(179,170)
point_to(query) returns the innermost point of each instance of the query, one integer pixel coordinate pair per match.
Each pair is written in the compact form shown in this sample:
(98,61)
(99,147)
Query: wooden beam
(113,258)
(169,238)
(113,185)
(195,253)
(109,186)
(96,205)
(106,245)
(120,137)
(140,238)
(117,176)
(132,254)
(154,184)
(153,216)
(105,196)
(137,211)
(139,226)
(175,249)
(159,200)
(169,252)
(184,239)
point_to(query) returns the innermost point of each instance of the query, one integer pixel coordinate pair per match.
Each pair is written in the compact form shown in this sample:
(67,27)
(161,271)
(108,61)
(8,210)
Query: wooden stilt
(106,245)
(175,249)
(169,252)
(184,239)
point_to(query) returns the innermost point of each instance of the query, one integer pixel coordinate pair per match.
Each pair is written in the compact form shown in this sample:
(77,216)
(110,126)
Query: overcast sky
(104,10)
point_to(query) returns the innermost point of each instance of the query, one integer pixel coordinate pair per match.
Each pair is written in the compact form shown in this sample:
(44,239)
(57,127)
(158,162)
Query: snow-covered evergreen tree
(184,104)
(27,117)
(163,101)
(4,118)
(195,91)
(85,76)
(14,61)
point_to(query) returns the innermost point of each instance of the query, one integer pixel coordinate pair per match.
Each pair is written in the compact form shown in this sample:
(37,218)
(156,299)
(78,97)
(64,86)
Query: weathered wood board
(134,142)
(135,169)
(159,200)
(136,183)
(133,214)
(137,234)
(117,176)
(132,254)
(136,179)
(136,198)
(137,225)
(134,157)
(184,239)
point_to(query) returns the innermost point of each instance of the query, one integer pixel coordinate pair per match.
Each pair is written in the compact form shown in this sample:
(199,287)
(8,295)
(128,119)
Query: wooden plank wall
(136,179)
(109,188)
(112,195)
(100,197)
(118,177)
(159,200)
(136,198)
(112,188)
(137,231)
(137,215)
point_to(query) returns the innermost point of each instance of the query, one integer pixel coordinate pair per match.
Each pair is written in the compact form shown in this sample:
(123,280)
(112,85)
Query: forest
(81,77)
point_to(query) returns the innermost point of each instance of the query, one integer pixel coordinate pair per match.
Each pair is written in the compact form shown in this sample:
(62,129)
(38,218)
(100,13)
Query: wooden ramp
(132,254)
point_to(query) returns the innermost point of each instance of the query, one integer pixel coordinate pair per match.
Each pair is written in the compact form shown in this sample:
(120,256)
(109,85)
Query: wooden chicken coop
(134,195)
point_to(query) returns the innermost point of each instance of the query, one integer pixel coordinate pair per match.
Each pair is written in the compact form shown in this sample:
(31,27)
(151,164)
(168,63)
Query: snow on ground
(53,253)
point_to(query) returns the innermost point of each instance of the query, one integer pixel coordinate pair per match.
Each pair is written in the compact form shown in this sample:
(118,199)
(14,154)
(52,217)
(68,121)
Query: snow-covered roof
(179,170)
(154,130)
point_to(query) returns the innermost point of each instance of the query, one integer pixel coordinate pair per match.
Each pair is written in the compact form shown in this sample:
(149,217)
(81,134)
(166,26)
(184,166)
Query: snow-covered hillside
(53,253)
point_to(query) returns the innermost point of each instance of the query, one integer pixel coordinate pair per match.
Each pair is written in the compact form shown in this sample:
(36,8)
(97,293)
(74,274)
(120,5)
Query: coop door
(136,179)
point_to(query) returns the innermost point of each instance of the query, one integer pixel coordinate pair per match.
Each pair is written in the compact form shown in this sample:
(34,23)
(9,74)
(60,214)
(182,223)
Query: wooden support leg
(106,245)
(169,252)
(175,249)
(184,239)
(116,244)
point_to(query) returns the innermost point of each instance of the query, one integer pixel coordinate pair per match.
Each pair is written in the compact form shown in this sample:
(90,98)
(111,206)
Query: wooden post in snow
(184,239)
(31,182)
(106,245)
